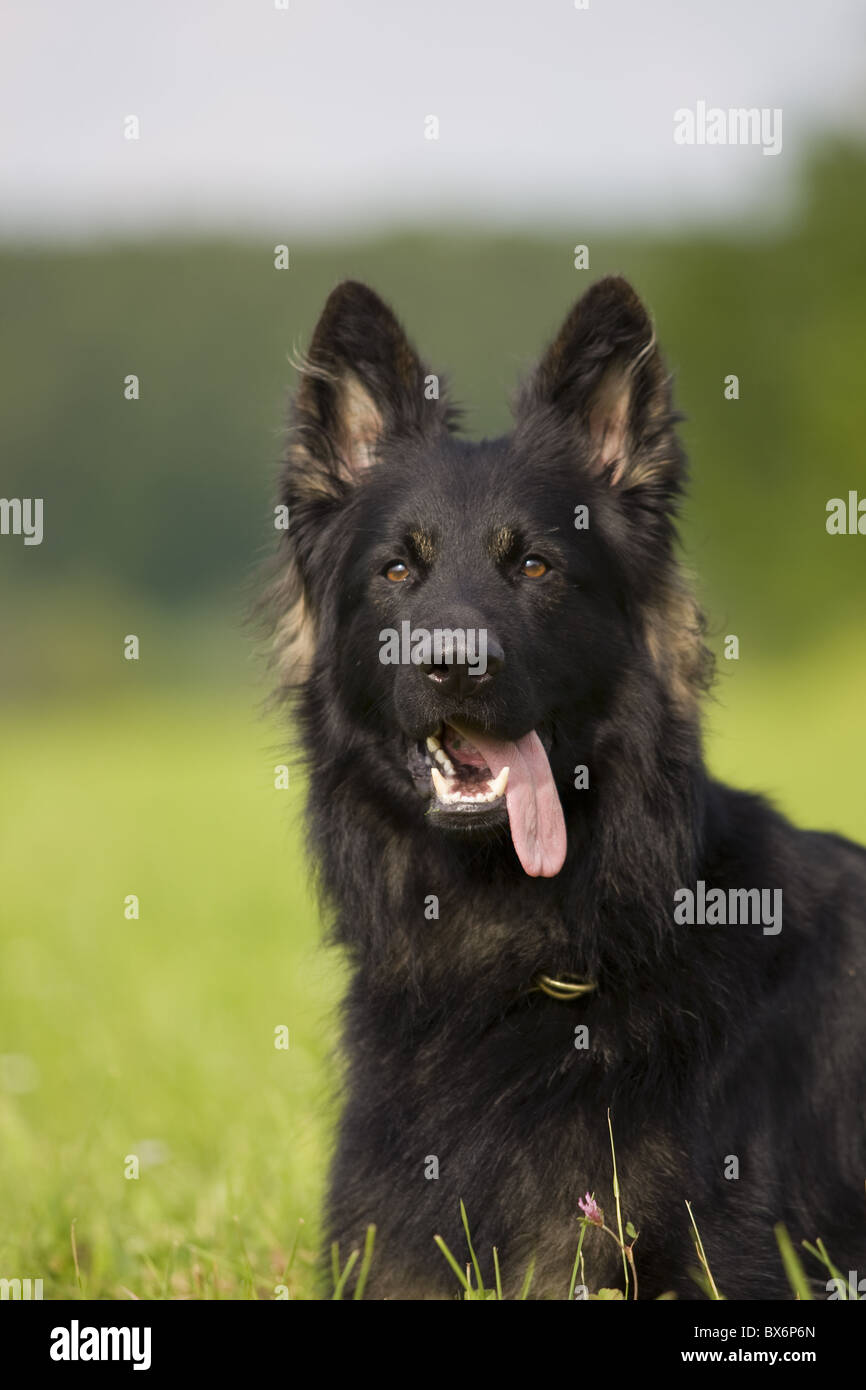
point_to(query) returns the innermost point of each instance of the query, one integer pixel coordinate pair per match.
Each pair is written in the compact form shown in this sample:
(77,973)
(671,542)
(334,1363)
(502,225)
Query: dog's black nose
(460,679)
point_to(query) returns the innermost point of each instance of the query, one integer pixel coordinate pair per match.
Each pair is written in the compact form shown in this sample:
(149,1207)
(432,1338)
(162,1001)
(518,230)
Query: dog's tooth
(439,784)
(432,743)
(498,785)
(443,760)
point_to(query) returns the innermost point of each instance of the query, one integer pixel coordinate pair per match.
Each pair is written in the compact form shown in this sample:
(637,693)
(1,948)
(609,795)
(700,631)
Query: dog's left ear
(603,376)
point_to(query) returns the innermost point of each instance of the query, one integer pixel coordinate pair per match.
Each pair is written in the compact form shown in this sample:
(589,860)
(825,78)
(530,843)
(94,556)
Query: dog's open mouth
(478,780)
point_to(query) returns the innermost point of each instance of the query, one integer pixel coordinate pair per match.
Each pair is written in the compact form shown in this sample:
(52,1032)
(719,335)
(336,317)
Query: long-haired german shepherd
(551,910)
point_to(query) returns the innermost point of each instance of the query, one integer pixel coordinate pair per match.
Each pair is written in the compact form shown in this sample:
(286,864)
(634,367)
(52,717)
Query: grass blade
(453,1263)
(369,1241)
(576,1264)
(475,1265)
(291,1258)
(793,1264)
(350,1265)
(699,1246)
(75,1255)
(821,1254)
(618,1208)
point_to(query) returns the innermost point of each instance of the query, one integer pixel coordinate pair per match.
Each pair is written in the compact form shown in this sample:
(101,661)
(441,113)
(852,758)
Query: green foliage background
(156,777)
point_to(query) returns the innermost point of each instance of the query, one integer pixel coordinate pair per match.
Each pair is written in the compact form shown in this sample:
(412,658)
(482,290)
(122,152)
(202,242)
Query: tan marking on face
(501,543)
(424,547)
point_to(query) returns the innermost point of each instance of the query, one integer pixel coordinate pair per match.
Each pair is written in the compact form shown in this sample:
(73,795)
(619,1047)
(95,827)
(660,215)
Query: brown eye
(533,568)
(397,572)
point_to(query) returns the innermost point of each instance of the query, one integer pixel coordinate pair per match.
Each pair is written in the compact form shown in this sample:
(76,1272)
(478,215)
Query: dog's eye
(533,568)
(397,572)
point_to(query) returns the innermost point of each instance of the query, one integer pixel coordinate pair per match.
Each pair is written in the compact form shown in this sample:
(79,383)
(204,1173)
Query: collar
(571,987)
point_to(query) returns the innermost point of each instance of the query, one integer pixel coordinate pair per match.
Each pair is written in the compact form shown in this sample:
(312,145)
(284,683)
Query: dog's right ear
(361,382)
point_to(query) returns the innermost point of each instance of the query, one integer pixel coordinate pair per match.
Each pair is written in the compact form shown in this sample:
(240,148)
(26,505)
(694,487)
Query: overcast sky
(313,117)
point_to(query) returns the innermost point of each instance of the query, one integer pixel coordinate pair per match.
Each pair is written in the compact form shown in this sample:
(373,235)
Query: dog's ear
(361,382)
(604,377)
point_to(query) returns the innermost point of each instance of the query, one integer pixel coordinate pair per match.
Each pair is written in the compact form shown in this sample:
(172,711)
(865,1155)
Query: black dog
(599,928)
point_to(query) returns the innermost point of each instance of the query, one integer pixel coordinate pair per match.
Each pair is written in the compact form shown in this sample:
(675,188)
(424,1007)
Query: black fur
(704,1041)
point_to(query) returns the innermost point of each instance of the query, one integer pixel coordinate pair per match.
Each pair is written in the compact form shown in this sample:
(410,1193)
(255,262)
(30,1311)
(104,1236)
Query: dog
(568,943)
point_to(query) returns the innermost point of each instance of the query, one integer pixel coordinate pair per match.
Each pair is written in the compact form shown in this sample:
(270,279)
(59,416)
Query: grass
(155,1037)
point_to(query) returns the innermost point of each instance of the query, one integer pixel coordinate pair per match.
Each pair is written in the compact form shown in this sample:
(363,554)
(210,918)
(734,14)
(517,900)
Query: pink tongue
(534,810)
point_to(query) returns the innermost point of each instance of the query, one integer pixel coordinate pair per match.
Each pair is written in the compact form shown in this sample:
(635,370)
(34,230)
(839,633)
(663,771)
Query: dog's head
(461,614)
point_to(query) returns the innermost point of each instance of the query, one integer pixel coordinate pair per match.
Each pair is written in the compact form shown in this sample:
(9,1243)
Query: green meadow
(155,1037)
